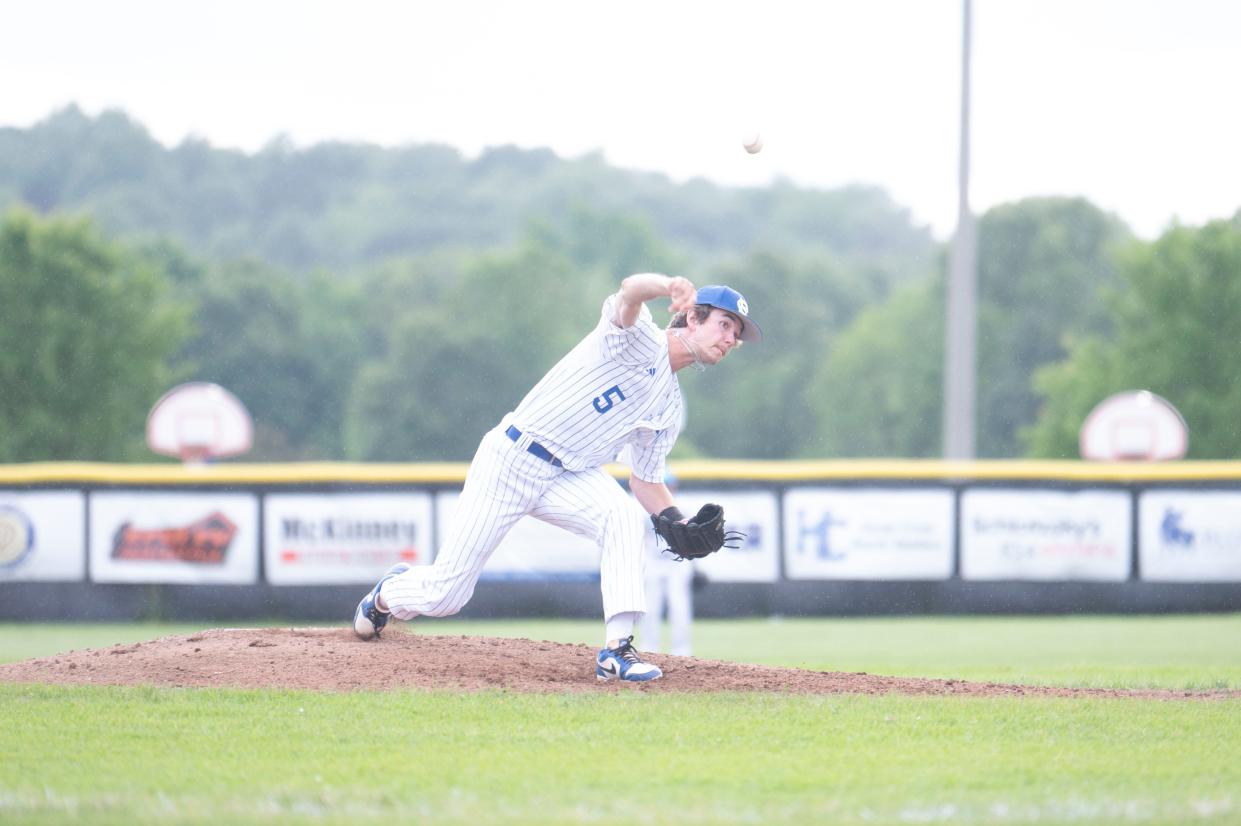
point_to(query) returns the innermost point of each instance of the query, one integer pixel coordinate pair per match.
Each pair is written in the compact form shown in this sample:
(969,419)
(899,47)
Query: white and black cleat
(624,663)
(368,620)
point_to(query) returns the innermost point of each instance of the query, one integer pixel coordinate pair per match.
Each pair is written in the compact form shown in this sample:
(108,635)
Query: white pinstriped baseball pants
(506,482)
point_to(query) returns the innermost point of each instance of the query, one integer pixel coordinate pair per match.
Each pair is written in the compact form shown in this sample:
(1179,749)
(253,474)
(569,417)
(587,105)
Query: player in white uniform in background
(669,586)
(616,388)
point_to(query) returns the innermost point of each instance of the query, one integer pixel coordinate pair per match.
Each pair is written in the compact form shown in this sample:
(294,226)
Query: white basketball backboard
(1136,425)
(199,421)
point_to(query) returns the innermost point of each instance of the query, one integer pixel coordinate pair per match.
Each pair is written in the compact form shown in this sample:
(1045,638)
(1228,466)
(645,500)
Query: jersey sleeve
(648,462)
(636,345)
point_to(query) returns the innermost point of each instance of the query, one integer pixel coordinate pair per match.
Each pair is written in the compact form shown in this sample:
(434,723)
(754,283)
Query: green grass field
(113,755)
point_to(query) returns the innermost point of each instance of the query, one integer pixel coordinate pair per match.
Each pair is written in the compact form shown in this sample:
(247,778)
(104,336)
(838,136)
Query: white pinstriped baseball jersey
(615,388)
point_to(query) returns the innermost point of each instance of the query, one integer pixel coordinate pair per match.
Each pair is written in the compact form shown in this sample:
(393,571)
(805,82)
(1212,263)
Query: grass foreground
(143,755)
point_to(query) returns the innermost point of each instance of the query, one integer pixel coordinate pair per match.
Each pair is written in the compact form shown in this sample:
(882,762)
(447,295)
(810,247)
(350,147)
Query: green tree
(757,403)
(453,367)
(87,334)
(466,336)
(617,243)
(348,206)
(1043,264)
(879,390)
(1177,323)
(287,346)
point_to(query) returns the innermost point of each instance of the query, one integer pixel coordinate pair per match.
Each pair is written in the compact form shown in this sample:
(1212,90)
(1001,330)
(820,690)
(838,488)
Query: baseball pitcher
(616,388)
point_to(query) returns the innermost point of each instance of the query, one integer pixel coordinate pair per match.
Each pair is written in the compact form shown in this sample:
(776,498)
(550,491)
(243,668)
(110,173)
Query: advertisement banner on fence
(178,538)
(753,513)
(42,536)
(1046,535)
(1189,536)
(331,538)
(868,533)
(533,550)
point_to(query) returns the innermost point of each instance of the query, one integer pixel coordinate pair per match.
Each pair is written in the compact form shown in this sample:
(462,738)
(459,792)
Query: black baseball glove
(700,536)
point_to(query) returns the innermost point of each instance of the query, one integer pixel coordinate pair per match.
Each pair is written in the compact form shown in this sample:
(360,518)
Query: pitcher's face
(716,336)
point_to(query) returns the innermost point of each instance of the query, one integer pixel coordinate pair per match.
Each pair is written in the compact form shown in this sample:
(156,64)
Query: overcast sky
(1131,103)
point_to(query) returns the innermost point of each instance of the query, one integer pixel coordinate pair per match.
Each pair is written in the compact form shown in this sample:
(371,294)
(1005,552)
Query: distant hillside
(348,205)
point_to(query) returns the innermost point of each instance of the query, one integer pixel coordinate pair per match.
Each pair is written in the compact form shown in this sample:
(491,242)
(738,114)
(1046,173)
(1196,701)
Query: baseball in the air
(753,142)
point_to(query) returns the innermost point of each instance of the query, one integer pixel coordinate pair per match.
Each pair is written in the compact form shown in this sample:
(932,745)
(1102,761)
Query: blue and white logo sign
(1190,535)
(1172,531)
(16,537)
(858,533)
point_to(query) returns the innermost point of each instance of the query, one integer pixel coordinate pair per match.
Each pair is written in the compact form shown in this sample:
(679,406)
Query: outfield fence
(304,540)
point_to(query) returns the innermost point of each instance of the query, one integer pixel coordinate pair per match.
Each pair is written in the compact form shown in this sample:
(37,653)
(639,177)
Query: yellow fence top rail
(349,473)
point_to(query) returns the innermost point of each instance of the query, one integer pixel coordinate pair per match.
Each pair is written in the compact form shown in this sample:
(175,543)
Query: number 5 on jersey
(609,398)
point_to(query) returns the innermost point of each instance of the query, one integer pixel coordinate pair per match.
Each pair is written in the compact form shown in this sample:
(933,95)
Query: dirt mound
(326,659)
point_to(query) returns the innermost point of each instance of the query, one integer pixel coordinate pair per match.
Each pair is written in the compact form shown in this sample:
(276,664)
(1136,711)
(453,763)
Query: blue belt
(535,448)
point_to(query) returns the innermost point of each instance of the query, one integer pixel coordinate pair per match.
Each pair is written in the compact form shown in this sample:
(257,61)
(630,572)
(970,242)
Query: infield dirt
(328,659)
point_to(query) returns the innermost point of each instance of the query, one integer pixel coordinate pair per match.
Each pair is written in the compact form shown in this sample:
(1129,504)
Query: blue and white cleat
(623,662)
(368,620)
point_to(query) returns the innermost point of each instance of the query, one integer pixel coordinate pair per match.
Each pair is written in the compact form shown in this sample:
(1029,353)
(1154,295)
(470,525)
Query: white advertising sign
(183,538)
(868,533)
(1046,535)
(1190,536)
(532,550)
(42,536)
(755,514)
(315,539)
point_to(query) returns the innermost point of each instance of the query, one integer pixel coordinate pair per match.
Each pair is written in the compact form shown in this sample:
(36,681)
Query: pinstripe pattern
(560,413)
(590,504)
(615,388)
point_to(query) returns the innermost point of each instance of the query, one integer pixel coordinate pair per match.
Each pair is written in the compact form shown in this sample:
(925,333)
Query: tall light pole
(960,362)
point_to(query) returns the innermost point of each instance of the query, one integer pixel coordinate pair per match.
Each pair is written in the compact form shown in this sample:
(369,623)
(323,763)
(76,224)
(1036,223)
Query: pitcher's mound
(329,659)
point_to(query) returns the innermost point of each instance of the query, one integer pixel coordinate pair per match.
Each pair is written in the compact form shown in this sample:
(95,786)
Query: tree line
(390,305)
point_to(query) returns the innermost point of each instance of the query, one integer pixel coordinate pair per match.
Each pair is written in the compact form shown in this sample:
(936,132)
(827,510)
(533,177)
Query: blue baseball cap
(726,298)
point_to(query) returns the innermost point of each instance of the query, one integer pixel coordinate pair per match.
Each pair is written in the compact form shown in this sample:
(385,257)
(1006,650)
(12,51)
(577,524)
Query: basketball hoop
(196,455)
(1134,426)
(199,422)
